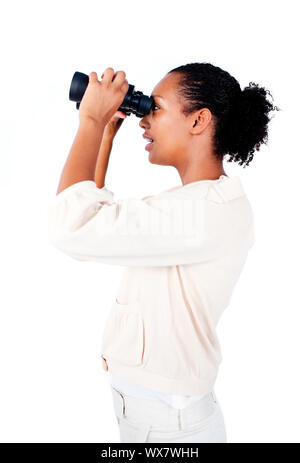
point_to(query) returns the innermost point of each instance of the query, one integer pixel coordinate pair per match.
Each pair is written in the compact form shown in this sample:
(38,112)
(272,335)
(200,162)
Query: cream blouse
(183,250)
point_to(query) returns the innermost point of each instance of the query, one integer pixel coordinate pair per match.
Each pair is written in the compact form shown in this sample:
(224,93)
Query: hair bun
(248,121)
(241,117)
(236,100)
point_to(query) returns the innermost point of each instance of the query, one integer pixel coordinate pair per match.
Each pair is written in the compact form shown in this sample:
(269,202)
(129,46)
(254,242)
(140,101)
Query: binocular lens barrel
(135,102)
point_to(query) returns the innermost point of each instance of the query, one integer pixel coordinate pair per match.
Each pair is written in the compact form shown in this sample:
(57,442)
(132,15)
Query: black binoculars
(134,102)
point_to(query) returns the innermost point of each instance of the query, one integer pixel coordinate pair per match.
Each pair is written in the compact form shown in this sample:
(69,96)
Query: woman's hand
(113,125)
(102,99)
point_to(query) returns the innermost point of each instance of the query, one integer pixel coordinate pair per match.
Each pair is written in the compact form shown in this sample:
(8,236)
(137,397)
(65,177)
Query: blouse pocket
(123,335)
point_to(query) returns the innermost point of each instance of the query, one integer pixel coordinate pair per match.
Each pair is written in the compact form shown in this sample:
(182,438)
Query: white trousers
(146,420)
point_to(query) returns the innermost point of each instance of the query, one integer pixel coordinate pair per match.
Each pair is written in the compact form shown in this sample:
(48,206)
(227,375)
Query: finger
(107,75)
(93,77)
(125,86)
(120,115)
(120,78)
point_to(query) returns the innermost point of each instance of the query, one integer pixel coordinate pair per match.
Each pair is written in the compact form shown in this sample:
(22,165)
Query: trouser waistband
(159,414)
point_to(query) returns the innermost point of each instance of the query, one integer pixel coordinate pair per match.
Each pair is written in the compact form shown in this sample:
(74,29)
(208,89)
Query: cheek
(169,133)
(172,139)
(166,130)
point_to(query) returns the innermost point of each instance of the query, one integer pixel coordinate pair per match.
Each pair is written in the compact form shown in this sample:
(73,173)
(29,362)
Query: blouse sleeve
(88,225)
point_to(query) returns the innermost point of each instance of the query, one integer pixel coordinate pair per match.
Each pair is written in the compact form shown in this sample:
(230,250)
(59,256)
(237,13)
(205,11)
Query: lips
(147,137)
(149,146)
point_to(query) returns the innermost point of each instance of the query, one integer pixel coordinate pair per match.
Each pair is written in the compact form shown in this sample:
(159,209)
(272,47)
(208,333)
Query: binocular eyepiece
(134,102)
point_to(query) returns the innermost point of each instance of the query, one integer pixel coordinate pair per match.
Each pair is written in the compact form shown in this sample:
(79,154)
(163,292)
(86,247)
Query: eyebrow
(157,96)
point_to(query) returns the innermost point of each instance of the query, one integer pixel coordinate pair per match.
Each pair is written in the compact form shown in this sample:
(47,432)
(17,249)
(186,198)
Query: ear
(201,118)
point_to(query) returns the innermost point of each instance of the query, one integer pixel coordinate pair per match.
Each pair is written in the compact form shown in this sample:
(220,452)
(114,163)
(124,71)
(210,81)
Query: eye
(155,106)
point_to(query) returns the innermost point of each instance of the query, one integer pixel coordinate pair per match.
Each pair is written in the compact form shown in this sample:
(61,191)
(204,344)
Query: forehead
(166,87)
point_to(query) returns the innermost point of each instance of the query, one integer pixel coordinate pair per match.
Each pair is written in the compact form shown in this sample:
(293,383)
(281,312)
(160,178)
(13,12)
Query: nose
(142,123)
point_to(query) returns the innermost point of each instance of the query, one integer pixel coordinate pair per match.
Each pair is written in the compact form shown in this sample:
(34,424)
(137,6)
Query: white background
(53,308)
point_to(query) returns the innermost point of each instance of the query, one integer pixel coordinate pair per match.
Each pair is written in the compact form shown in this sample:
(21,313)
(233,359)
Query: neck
(199,163)
(204,172)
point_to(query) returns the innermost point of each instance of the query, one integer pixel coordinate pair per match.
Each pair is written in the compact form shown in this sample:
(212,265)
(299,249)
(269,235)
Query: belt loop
(180,414)
(123,408)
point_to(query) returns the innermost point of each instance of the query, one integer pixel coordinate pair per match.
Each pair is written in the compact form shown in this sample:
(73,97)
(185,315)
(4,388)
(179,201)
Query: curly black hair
(240,117)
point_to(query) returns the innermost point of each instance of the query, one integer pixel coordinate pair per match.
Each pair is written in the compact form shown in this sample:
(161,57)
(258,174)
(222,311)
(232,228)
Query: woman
(183,248)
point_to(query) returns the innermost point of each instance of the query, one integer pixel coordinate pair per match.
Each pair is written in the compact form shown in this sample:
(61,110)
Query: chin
(158,160)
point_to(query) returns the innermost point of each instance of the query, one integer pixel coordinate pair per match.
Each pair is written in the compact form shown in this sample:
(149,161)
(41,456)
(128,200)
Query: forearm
(81,162)
(102,160)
